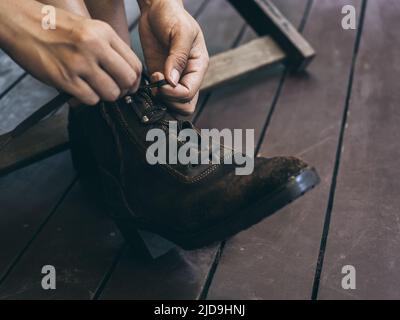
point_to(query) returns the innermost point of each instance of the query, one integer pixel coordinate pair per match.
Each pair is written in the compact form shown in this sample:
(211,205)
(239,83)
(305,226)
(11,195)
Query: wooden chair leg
(266,19)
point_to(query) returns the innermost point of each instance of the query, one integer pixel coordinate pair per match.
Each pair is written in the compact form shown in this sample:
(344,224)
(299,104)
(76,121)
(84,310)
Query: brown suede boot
(190,205)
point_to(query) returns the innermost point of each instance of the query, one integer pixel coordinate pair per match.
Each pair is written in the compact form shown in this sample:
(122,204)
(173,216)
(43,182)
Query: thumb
(181,45)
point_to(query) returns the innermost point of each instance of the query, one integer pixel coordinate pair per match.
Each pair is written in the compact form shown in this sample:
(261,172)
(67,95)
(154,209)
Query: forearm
(75,6)
(13,15)
(112,12)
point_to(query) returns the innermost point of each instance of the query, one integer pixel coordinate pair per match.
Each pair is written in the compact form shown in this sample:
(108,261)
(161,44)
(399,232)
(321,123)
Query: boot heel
(123,218)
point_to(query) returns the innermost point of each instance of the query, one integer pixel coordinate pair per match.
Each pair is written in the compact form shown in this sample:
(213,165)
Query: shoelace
(161,123)
(157,84)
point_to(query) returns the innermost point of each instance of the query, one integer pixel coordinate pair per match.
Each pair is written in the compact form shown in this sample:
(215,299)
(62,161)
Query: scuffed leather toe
(276,171)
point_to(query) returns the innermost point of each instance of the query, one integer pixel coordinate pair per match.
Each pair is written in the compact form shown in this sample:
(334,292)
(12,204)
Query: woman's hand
(83,57)
(174,49)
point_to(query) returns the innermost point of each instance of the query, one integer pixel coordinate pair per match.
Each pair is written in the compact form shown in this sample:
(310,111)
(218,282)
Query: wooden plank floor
(365,229)
(342,117)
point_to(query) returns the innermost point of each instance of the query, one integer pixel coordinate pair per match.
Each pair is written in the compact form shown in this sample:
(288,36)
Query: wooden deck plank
(26,97)
(277,258)
(254,57)
(10,72)
(80,241)
(180,274)
(364,229)
(34,145)
(245,104)
(27,198)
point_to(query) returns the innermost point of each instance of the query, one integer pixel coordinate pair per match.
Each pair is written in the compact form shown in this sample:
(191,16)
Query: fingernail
(116,92)
(175,77)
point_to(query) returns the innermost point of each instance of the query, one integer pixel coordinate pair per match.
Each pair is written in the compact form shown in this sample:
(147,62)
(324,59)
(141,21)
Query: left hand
(175,50)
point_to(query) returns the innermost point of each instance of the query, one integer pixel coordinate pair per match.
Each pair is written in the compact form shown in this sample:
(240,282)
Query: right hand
(83,57)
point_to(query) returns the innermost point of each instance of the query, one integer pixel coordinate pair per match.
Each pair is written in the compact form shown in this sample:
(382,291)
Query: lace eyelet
(128,100)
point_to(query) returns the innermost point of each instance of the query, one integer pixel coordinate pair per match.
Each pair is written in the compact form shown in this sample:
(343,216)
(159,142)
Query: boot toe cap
(278,170)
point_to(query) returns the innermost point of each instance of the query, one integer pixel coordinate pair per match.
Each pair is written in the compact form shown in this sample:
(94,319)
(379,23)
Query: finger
(127,54)
(182,107)
(102,84)
(174,94)
(83,92)
(197,66)
(123,74)
(191,79)
(181,45)
(184,91)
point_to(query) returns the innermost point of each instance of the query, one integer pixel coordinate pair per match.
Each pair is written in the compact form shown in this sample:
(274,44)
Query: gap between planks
(331,199)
